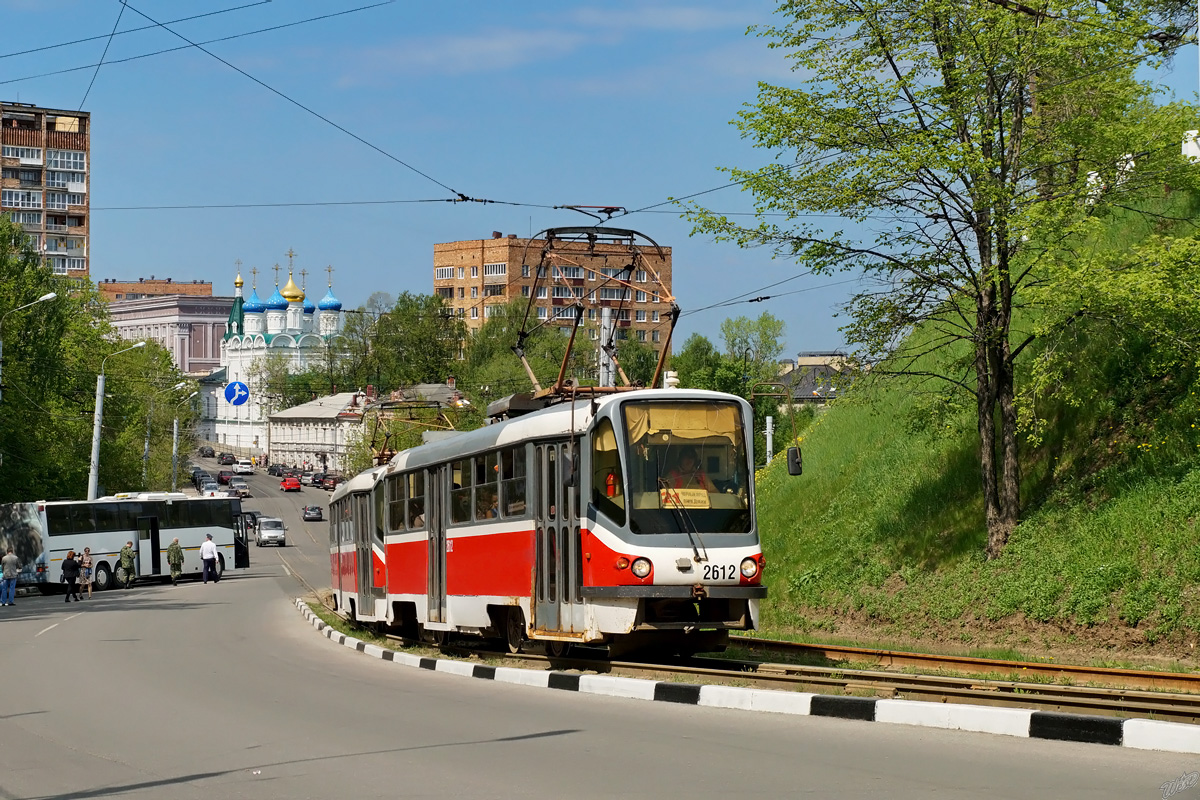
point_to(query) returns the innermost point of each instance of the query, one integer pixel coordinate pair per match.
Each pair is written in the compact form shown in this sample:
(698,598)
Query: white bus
(42,533)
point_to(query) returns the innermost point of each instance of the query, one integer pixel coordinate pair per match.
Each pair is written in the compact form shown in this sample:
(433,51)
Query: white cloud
(456,55)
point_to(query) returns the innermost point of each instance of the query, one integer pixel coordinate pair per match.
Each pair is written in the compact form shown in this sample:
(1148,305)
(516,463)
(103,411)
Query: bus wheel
(104,578)
(514,629)
(220,565)
(122,578)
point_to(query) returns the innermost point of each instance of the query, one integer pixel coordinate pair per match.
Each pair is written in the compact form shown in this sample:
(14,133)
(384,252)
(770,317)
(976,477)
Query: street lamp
(98,415)
(175,441)
(47,296)
(149,414)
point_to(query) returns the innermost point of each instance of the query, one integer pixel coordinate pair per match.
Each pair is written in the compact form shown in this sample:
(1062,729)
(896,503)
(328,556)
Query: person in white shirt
(208,557)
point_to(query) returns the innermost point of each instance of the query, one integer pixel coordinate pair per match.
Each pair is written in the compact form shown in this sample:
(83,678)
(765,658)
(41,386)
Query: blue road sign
(237,393)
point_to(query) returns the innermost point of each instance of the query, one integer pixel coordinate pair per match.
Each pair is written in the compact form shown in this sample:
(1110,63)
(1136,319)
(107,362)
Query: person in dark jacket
(70,573)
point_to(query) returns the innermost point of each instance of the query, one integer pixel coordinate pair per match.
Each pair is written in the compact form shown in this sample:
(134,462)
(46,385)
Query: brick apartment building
(44,168)
(474,276)
(111,289)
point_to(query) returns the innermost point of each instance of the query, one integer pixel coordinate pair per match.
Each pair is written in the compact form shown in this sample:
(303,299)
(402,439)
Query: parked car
(289,484)
(276,470)
(314,478)
(226,459)
(209,488)
(224,475)
(311,514)
(330,481)
(206,452)
(201,478)
(271,530)
(240,486)
(243,466)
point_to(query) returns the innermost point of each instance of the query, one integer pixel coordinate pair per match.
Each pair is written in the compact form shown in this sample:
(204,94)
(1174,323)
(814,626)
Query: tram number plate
(684,498)
(719,572)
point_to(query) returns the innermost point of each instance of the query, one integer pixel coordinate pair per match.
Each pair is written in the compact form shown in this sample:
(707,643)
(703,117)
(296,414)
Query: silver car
(271,530)
(240,486)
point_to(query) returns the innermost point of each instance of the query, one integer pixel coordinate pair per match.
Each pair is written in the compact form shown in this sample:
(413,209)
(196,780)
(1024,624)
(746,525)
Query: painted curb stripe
(860,708)
(686,693)
(1142,734)
(1075,728)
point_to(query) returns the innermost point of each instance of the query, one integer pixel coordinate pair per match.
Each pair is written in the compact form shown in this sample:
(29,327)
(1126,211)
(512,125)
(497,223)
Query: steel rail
(1124,678)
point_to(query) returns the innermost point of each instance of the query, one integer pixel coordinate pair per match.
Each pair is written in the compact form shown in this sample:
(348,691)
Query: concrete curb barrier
(1143,734)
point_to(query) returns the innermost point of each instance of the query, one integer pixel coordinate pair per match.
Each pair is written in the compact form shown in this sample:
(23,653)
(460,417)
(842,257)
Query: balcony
(55,249)
(36,227)
(52,227)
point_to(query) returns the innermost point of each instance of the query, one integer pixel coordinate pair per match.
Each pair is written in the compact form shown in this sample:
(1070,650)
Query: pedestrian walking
(85,572)
(175,560)
(208,557)
(70,576)
(10,568)
(127,564)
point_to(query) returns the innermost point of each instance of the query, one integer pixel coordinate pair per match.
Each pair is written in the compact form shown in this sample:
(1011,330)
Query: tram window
(607,481)
(395,502)
(460,492)
(513,481)
(487,495)
(416,500)
(379,499)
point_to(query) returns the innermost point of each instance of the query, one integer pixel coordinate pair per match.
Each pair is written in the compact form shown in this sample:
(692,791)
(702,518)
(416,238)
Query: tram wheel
(514,629)
(558,649)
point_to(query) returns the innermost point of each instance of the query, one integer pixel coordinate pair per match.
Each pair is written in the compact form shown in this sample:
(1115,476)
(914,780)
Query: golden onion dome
(238,281)
(292,292)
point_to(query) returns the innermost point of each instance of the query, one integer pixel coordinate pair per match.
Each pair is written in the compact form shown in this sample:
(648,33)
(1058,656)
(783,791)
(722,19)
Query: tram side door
(436,498)
(556,520)
(363,525)
(149,556)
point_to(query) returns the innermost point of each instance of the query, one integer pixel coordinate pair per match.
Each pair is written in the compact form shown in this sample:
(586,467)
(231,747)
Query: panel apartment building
(474,276)
(44,167)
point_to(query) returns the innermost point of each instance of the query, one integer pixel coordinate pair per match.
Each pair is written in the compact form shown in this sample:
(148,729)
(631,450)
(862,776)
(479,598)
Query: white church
(288,324)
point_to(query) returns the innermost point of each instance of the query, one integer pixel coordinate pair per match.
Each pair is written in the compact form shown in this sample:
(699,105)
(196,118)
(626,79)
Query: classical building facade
(316,434)
(45,168)
(191,327)
(287,325)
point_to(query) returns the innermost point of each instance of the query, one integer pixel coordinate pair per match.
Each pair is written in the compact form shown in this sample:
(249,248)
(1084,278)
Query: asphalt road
(222,690)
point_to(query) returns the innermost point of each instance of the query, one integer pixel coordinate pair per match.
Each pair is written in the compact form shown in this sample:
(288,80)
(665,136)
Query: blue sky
(626,103)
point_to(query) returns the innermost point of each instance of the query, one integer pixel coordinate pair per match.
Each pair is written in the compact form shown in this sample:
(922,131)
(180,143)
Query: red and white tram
(624,520)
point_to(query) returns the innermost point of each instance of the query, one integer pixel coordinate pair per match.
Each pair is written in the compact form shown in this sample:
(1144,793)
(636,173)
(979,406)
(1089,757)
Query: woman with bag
(70,574)
(85,572)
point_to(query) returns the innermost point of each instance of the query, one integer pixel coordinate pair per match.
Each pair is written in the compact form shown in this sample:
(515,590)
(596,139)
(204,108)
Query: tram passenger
(688,473)
(487,504)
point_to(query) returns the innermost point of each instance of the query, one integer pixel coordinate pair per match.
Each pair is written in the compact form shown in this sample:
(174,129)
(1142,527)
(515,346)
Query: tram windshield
(688,469)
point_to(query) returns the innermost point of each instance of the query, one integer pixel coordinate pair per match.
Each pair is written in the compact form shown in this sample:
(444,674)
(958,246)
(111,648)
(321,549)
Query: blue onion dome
(253,305)
(309,308)
(329,302)
(276,302)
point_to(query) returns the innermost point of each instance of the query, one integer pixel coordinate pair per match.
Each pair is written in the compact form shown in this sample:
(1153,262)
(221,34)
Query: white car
(270,530)
(243,467)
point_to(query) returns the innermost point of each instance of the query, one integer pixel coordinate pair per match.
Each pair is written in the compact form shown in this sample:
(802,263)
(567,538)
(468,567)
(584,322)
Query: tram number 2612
(719,572)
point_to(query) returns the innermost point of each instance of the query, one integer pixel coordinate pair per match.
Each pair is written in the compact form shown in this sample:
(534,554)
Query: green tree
(758,343)
(970,147)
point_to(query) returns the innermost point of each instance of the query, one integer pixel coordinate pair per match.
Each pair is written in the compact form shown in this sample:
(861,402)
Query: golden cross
(290,254)
(254,279)
(239,264)
(329,269)
(276,268)
(304,279)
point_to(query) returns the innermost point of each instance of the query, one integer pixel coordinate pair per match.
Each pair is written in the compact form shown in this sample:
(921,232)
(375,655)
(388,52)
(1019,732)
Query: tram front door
(436,498)
(557,605)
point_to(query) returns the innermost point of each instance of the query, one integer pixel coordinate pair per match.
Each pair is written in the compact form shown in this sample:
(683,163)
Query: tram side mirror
(795,462)
(570,469)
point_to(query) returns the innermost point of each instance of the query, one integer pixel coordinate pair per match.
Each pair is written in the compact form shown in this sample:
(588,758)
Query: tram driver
(687,473)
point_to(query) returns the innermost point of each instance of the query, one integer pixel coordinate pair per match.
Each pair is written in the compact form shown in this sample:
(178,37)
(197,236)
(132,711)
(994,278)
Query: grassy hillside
(882,538)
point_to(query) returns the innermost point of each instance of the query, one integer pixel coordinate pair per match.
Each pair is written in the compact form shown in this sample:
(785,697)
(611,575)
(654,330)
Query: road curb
(1142,734)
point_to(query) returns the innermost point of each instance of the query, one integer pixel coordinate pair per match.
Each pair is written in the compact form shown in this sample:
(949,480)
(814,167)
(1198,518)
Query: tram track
(832,680)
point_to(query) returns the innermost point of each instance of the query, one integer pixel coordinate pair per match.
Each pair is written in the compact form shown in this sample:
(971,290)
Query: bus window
(58,520)
(108,517)
(608,493)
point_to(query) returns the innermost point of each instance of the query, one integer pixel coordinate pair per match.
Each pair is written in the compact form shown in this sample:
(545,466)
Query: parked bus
(42,533)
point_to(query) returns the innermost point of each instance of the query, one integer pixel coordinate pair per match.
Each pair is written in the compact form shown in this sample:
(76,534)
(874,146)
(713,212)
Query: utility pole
(97,416)
(607,369)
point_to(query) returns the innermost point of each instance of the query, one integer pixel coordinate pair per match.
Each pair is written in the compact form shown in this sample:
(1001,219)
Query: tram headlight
(749,568)
(640,567)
